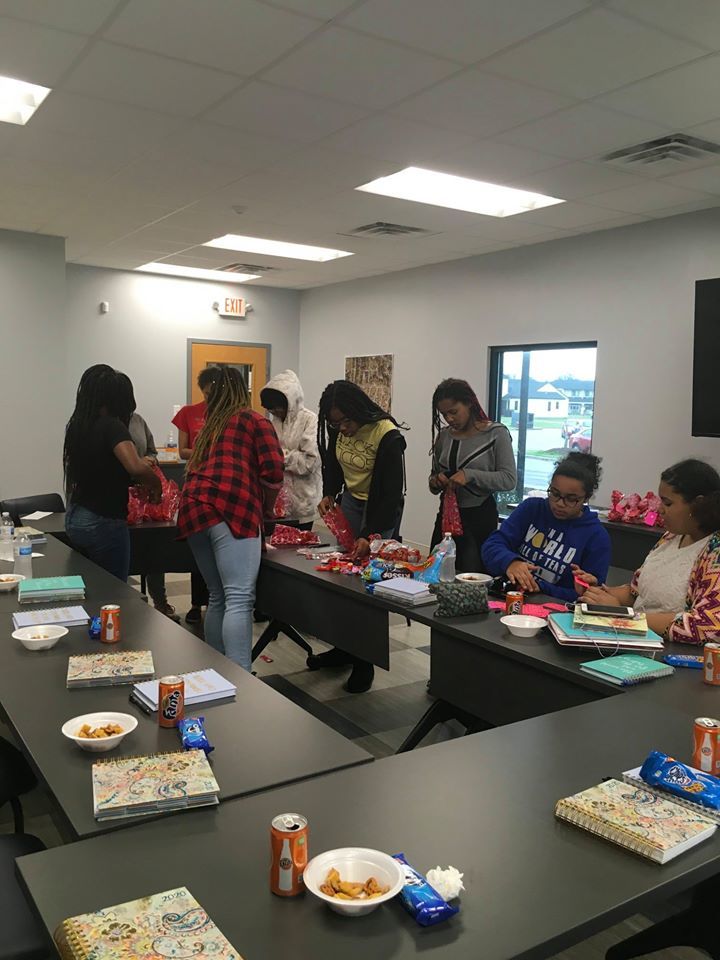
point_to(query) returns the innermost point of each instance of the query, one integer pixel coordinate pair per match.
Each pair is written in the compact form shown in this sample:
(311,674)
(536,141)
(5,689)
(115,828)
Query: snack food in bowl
(94,731)
(9,581)
(41,637)
(474,578)
(522,625)
(354,881)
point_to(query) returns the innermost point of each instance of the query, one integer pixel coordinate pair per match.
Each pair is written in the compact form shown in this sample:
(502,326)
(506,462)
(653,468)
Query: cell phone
(601,610)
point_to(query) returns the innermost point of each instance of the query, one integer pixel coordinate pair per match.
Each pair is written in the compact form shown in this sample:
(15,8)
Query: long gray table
(261,739)
(483,803)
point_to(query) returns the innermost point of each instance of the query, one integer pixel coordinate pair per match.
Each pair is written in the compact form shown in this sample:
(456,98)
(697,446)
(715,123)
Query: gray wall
(631,289)
(32,338)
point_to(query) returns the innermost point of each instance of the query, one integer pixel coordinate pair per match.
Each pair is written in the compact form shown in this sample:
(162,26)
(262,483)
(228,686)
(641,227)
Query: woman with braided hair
(233,478)
(472,456)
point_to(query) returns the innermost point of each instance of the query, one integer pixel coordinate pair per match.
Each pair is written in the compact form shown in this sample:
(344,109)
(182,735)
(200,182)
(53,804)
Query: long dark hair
(461,392)
(584,467)
(229,395)
(353,403)
(699,485)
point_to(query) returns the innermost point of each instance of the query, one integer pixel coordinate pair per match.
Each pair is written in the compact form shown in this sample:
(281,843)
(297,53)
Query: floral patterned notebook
(107,669)
(165,781)
(170,924)
(636,819)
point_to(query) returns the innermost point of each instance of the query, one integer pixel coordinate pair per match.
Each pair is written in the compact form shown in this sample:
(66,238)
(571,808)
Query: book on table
(637,819)
(57,616)
(626,670)
(568,635)
(109,669)
(201,686)
(636,625)
(404,590)
(136,786)
(34,535)
(167,924)
(40,589)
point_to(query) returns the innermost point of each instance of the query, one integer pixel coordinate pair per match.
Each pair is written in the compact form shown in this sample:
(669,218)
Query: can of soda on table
(711,673)
(289,847)
(110,623)
(706,745)
(171,700)
(514,600)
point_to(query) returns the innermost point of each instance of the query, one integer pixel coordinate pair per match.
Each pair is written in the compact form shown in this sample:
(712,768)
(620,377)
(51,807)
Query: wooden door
(252,359)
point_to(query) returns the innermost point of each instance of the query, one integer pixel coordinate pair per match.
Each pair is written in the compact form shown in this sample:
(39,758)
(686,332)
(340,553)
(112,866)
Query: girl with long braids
(472,456)
(233,478)
(100,462)
(362,452)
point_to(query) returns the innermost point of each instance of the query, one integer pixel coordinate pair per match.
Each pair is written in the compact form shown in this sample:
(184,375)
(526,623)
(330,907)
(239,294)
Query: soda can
(110,623)
(514,600)
(711,672)
(289,854)
(706,745)
(171,700)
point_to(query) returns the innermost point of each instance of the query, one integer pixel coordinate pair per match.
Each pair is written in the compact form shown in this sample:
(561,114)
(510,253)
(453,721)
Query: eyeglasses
(339,424)
(571,499)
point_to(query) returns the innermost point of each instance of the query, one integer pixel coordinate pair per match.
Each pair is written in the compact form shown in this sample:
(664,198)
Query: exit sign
(231,307)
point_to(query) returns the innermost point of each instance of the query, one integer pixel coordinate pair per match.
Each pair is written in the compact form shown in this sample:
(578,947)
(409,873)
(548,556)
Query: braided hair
(353,403)
(461,392)
(229,396)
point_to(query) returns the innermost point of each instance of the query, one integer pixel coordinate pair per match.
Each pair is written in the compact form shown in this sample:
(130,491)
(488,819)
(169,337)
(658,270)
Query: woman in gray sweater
(473,456)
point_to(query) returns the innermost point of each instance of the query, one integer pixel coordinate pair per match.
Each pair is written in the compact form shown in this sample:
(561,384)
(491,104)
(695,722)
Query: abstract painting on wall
(374,374)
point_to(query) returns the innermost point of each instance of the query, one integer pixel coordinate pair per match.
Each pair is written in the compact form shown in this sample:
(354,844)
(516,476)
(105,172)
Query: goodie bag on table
(140,508)
(451,522)
(460,599)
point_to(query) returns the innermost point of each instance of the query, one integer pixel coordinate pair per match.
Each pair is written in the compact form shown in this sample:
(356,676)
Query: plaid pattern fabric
(228,485)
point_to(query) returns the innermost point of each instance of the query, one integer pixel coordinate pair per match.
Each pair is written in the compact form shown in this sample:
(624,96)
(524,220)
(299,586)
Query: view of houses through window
(544,394)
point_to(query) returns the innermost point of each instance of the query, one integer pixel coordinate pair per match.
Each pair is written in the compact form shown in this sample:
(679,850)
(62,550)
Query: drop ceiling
(172,122)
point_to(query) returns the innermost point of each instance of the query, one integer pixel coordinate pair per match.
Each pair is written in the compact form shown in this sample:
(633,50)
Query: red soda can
(110,623)
(706,745)
(711,673)
(171,700)
(514,600)
(289,845)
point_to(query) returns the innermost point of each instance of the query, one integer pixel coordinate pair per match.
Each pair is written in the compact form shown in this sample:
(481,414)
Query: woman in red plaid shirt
(233,478)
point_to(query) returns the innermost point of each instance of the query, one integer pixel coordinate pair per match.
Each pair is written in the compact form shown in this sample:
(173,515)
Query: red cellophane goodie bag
(284,536)
(451,522)
(337,524)
(140,509)
(282,503)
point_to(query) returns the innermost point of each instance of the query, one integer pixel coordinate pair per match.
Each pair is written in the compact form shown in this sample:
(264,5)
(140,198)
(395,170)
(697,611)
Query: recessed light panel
(173,270)
(457,193)
(276,248)
(19,100)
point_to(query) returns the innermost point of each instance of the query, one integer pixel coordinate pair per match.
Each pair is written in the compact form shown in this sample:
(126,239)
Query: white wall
(32,312)
(631,289)
(151,319)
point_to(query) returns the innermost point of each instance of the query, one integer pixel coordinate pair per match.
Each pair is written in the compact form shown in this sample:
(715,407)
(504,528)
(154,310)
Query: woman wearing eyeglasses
(541,541)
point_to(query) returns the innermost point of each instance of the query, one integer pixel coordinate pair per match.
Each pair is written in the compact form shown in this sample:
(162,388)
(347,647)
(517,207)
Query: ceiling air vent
(665,155)
(246,268)
(382,229)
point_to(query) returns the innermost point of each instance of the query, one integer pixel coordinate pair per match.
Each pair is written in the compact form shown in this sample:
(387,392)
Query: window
(520,378)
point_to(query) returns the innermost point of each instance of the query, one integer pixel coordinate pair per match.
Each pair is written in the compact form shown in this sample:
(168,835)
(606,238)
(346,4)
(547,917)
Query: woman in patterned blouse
(678,585)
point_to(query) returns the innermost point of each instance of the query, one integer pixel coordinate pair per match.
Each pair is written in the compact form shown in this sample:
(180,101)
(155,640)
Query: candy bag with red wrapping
(337,524)
(284,536)
(137,501)
(169,499)
(451,522)
(282,504)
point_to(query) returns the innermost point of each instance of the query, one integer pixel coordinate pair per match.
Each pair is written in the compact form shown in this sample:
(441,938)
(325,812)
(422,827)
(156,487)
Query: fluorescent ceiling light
(201,274)
(276,248)
(19,100)
(457,193)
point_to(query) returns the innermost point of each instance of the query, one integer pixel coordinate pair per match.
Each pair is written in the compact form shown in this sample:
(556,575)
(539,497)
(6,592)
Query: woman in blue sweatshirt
(537,546)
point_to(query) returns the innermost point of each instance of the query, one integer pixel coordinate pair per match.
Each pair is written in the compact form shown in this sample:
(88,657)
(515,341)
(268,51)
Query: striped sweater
(486,457)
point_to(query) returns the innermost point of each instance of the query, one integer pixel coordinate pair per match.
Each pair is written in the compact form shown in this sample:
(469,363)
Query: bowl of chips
(8,581)
(354,881)
(41,637)
(99,732)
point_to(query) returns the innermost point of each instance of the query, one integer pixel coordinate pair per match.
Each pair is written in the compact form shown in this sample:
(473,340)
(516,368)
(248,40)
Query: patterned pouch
(460,599)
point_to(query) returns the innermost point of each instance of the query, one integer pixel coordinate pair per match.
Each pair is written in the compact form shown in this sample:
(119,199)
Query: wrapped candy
(393,550)
(451,521)
(284,536)
(282,502)
(633,508)
(337,524)
(192,733)
(420,899)
(660,770)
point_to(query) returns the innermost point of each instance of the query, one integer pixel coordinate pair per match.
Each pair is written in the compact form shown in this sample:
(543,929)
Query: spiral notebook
(640,821)
(627,670)
(109,669)
(169,924)
(635,780)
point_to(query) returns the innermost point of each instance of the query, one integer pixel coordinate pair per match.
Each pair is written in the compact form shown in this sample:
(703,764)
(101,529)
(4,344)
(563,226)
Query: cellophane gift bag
(140,509)
(451,522)
(284,536)
(282,504)
(337,524)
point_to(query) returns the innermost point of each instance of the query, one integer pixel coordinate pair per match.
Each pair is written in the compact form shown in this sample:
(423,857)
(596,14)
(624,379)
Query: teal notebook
(627,670)
(51,586)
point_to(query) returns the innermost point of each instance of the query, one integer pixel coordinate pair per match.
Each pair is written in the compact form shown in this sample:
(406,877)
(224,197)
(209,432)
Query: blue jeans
(229,566)
(104,540)
(355,510)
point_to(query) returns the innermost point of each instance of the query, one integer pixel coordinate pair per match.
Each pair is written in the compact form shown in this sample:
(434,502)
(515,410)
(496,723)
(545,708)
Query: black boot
(361,678)
(331,658)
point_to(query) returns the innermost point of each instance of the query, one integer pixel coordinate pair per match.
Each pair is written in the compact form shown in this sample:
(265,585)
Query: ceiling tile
(321,9)
(479,104)
(586,131)
(644,198)
(76,153)
(277,111)
(173,181)
(79,16)
(592,54)
(36,54)
(678,209)
(147,80)
(570,181)
(465,30)
(707,179)
(677,99)
(697,20)
(495,162)
(358,69)
(568,216)
(402,141)
(238,37)
(243,152)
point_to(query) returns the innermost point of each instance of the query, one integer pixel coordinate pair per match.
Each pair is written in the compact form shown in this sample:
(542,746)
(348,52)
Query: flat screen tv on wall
(706,360)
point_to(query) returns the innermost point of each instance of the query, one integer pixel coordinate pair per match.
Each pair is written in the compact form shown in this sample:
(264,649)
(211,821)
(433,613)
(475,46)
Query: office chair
(19,506)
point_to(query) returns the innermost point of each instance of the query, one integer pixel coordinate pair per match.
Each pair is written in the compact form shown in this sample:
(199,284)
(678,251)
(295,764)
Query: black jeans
(478,523)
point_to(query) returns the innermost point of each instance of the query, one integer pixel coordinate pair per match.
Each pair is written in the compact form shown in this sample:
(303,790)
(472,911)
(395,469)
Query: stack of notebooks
(627,670)
(44,589)
(411,593)
(579,630)
(638,819)
(58,616)
(137,786)
(109,669)
(201,686)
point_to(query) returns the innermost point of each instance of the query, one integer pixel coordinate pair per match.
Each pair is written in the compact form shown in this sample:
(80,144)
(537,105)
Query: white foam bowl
(40,637)
(9,581)
(71,728)
(484,578)
(356,864)
(520,625)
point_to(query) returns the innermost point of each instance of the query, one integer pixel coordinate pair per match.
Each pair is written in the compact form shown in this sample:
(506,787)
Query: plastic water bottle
(23,557)
(7,531)
(447,567)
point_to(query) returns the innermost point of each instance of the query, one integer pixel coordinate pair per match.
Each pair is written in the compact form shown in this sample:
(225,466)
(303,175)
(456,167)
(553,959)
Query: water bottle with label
(447,567)
(23,557)
(7,531)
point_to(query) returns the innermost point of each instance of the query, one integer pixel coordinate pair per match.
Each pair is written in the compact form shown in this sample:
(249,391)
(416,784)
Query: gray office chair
(20,506)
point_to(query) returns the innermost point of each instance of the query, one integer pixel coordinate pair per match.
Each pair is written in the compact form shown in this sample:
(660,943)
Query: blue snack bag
(192,732)
(660,770)
(422,902)
(94,630)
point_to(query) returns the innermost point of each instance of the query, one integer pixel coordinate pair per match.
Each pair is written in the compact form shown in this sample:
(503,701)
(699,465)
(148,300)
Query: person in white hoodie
(296,429)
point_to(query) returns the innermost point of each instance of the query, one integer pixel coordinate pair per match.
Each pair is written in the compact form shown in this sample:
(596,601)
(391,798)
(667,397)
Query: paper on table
(37,554)
(37,515)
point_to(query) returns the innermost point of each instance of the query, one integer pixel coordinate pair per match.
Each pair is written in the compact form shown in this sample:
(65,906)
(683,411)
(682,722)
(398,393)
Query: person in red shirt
(233,477)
